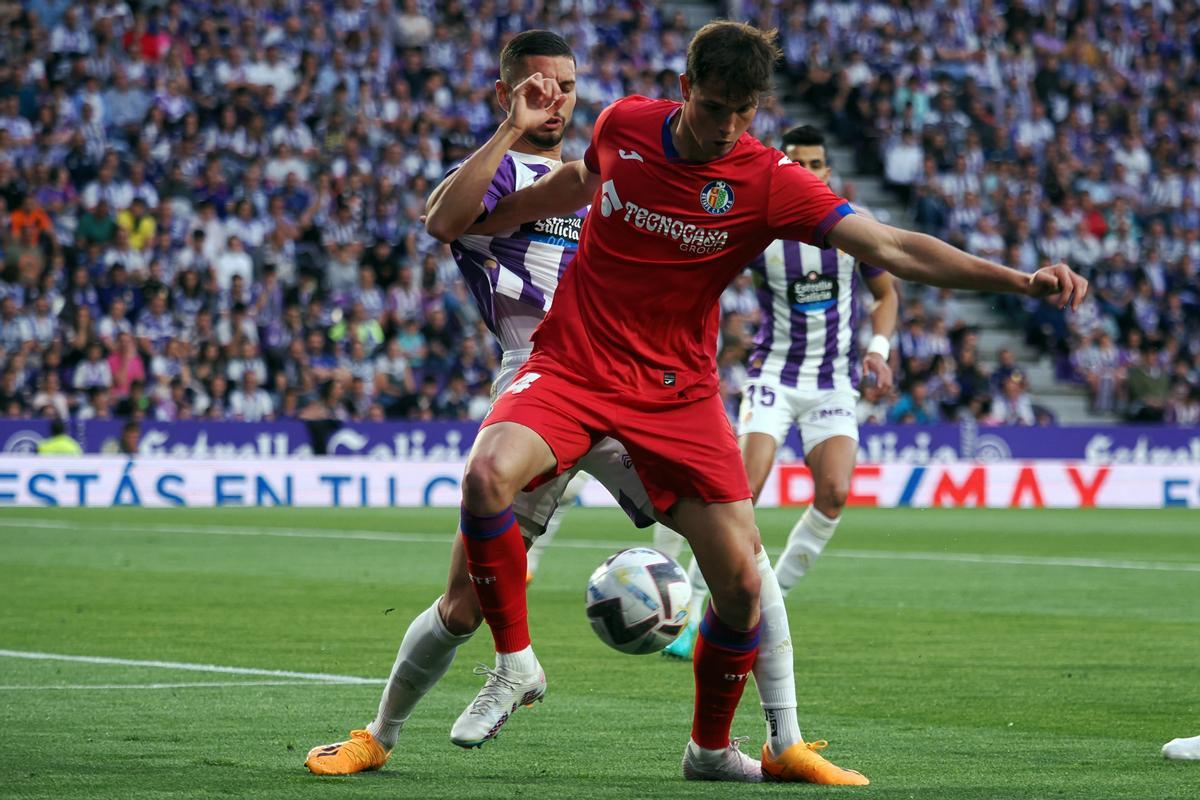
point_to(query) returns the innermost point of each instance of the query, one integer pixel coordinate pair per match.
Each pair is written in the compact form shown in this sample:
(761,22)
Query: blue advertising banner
(450,441)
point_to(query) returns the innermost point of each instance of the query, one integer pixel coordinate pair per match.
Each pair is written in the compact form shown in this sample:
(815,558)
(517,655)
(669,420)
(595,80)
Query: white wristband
(881,345)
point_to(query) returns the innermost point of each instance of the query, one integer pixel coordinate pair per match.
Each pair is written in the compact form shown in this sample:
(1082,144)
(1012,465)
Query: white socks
(774,669)
(699,594)
(668,541)
(425,654)
(533,555)
(522,662)
(806,541)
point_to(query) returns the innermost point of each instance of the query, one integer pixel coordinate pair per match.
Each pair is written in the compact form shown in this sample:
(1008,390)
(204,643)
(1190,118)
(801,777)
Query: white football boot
(1182,749)
(502,694)
(730,764)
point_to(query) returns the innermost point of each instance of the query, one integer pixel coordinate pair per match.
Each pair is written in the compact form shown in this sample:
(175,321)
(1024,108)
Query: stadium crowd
(1029,132)
(211,209)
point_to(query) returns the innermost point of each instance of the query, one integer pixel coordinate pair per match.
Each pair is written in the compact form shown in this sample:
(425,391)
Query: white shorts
(772,409)
(607,462)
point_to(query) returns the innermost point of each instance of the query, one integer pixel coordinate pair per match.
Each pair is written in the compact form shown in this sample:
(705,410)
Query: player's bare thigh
(832,466)
(758,456)
(724,539)
(505,457)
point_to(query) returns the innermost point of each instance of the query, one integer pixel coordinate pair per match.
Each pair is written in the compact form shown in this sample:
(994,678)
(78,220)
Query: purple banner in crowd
(448,441)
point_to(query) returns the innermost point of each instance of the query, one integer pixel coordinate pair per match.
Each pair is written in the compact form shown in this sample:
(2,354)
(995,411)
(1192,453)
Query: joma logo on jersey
(691,238)
(482,580)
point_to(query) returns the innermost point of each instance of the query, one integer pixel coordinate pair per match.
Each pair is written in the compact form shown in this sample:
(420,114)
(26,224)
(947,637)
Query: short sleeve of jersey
(591,158)
(800,206)
(503,183)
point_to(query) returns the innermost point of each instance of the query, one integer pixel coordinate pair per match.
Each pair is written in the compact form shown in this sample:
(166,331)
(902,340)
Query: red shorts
(679,450)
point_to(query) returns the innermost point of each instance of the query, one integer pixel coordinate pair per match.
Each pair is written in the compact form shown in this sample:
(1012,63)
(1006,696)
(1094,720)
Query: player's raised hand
(1058,285)
(876,365)
(533,101)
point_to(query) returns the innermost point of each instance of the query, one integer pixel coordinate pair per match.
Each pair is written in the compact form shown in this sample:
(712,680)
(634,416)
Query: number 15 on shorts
(766,397)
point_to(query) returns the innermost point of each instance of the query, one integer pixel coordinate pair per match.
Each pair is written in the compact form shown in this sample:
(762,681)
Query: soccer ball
(637,600)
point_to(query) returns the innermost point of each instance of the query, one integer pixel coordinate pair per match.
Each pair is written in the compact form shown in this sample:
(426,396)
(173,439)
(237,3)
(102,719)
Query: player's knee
(740,598)
(831,495)
(460,612)
(486,484)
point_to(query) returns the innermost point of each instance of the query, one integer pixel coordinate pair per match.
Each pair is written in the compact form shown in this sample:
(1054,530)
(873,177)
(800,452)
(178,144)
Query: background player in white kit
(512,276)
(804,371)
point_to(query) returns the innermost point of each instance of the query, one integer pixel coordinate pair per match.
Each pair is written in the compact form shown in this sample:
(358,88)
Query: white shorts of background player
(767,407)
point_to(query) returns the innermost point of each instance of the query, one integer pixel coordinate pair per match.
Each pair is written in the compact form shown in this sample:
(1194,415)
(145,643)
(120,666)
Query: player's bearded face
(713,119)
(562,69)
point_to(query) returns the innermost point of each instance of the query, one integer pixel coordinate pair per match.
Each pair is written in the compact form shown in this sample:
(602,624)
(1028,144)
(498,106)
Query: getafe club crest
(716,197)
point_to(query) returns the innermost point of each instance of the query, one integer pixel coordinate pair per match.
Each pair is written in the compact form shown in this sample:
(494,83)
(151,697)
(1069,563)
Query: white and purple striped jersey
(810,317)
(513,274)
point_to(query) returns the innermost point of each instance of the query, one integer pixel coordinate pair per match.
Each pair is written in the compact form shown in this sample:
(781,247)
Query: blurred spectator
(171,186)
(59,443)
(131,435)
(1148,386)
(915,406)
(1012,405)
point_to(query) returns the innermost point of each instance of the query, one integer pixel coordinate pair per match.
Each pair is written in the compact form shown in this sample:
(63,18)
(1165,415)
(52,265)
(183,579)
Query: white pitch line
(145,686)
(1024,561)
(189,667)
(608,546)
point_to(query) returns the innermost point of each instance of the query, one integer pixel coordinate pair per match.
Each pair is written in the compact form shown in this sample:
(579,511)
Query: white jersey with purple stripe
(810,316)
(513,274)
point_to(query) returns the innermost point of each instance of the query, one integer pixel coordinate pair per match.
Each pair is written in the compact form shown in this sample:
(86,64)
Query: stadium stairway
(1068,402)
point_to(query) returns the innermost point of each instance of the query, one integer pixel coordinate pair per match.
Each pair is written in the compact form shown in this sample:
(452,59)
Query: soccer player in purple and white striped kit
(804,371)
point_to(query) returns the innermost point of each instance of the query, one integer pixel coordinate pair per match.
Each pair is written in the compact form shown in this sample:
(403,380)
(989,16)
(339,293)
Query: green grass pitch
(946,654)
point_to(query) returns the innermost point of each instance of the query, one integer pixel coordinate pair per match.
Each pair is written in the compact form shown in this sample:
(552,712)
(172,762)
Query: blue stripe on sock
(486,527)
(717,632)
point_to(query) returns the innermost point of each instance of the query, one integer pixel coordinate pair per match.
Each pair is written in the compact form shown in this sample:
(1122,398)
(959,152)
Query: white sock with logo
(699,594)
(805,543)
(533,556)
(425,654)
(668,541)
(774,669)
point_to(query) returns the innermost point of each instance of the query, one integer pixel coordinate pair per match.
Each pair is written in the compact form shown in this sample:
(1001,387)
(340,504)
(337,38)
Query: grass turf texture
(938,679)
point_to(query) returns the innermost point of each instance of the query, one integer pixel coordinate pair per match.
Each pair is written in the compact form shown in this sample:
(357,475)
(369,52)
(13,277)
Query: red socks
(496,564)
(723,661)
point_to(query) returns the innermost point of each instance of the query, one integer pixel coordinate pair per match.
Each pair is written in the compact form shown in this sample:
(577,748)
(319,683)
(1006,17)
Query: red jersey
(637,313)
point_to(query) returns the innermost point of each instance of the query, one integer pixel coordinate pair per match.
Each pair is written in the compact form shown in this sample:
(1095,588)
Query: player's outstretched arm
(562,192)
(458,200)
(924,259)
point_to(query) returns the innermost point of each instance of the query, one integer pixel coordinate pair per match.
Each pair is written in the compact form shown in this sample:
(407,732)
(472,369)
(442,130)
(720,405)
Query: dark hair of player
(531,43)
(737,56)
(804,136)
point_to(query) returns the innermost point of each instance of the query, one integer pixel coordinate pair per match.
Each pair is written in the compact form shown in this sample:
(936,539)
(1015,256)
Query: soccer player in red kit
(682,199)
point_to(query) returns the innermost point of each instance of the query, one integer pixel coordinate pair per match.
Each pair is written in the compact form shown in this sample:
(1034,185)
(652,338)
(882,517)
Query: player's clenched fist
(1058,285)
(534,102)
